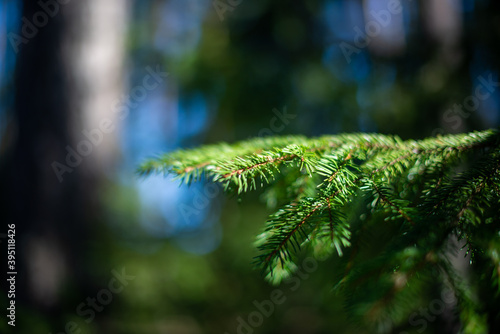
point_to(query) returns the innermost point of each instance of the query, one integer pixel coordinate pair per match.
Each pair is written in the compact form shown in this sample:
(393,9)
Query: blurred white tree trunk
(96,58)
(444,23)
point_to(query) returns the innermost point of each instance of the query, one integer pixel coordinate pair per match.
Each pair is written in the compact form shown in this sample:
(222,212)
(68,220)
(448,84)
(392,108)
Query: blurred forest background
(89,77)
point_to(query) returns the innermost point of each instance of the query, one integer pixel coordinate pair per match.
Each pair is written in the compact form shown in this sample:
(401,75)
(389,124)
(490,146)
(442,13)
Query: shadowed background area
(89,89)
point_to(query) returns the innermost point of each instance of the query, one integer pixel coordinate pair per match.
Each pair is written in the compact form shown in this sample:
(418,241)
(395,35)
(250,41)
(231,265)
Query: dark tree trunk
(52,214)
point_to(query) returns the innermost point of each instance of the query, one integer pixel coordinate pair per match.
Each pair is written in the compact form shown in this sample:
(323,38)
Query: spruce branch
(339,190)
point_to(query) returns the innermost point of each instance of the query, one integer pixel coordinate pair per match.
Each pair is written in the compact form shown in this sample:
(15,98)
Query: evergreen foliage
(391,214)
